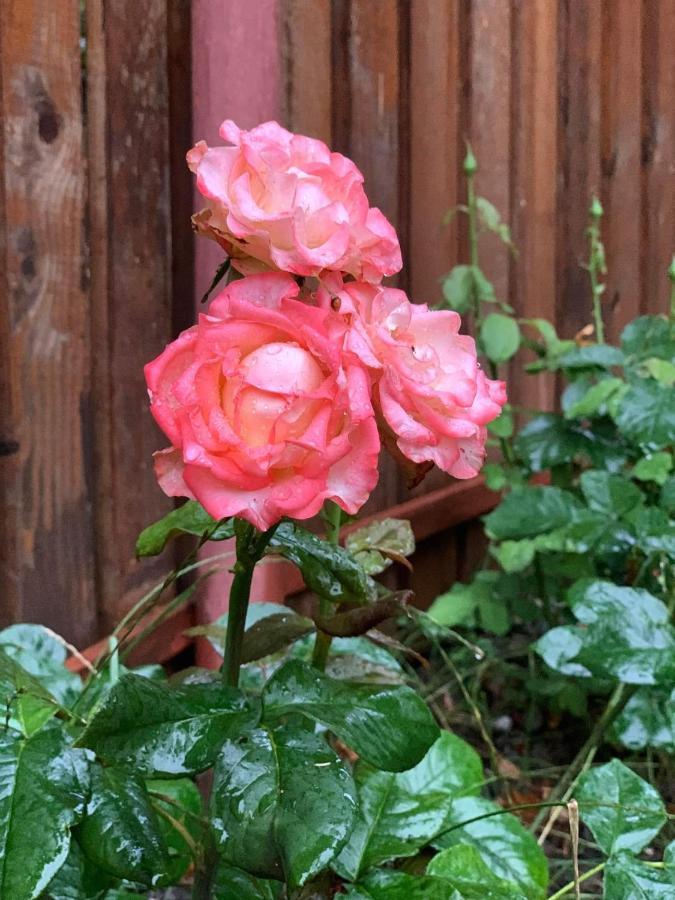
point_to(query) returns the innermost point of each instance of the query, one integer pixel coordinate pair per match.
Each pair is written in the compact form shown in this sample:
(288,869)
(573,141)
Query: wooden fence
(99,101)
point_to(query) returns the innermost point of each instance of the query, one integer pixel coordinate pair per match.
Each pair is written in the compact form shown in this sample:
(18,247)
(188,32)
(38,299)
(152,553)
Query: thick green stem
(332,518)
(251,545)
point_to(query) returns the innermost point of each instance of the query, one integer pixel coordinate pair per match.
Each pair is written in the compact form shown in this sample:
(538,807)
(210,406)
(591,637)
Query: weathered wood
(307,69)
(133,319)
(46,544)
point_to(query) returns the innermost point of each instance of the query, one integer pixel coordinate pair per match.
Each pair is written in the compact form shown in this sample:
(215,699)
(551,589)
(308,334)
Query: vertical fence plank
(434,158)
(658,152)
(533,286)
(132,273)
(488,121)
(306,56)
(621,176)
(47,550)
(580,53)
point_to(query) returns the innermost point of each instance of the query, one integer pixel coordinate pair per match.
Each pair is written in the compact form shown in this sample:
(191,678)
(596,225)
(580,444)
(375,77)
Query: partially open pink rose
(286,201)
(430,391)
(265,415)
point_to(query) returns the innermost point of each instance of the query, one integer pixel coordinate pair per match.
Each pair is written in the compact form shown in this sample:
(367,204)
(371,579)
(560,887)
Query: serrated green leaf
(506,847)
(399,814)
(43,792)
(623,811)
(529,511)
(159,729)
(646,415)
(549,440)
(499,337)
(611,495)
(328,570)
(654,467)
(601,356)
(594,399)
(120,833)
(190,518)
(465,870)
(647,720)
(283,803)
(178,799)
(626,878)
(377,545)
(393,729)
(624,634)
(42,655)
(648,336)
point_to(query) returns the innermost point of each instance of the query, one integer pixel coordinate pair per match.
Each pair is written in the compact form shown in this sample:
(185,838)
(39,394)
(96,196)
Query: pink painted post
(236,74)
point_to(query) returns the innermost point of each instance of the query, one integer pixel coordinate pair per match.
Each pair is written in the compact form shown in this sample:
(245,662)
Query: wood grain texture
(46,432)
(307,67)
(658,152)
(130,166)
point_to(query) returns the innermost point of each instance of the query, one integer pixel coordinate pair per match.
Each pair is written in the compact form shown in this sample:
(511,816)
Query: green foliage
(379,544)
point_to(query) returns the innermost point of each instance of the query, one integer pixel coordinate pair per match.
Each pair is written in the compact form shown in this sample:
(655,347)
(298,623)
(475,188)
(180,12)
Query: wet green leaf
(400,813)
(178,799)
(388,726)
(611,495)
(601,356)
(231,883)
(623,811)
(506,847)
(328,570)
(24,701)
(283,803)
(120,832)
(465,869)
(42,655)
(646,415)
(499,337)
(377,545)
(529,511)
(549,440)
(626,878)
(654,467)
(190,518)
(78,879)
(391,884)
(159,729)
(514,556)
(43,793)
(648,336)
(594,400)
(273,633)
(647,720)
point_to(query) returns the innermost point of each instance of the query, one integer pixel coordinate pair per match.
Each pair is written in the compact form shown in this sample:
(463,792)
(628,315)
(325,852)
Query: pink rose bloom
(288,202)
(265,415)
(431,392)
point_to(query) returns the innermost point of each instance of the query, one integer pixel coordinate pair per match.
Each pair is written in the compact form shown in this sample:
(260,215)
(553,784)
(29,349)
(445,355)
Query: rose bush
(285,201)
(266,415)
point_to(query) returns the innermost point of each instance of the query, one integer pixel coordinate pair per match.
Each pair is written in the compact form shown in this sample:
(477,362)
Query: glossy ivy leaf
(626,878)
(231,883)
(646,415)
(648,336)
(625,634)
(549,440)
(24,702)
(283,803)
(506,847)
(465,869)
(158,729)
(120,833)
(78,879)
(382,542)
(43,792)
(392,884)
(654,467)
(529,511)
(400,813)
(328,570)
(389,726)
(499,337)
(623,811)
(190,518)
(647,720)
(611,495)
(271,634)
(178,799)
(42,655)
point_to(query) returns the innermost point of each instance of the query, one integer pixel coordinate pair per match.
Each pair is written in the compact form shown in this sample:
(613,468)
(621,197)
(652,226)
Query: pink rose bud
(265,415)
(281,200)
(430,390)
